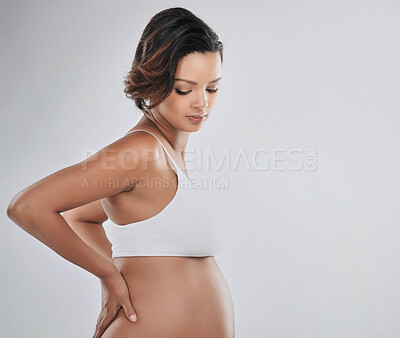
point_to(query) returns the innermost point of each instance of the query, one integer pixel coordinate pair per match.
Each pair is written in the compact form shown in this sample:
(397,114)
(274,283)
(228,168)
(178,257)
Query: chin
(192,128)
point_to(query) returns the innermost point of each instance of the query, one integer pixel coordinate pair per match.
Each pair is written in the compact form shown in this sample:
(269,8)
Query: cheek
(179,104)
(173,107)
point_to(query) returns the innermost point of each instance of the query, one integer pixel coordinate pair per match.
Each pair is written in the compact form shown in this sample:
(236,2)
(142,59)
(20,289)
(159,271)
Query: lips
(196,118)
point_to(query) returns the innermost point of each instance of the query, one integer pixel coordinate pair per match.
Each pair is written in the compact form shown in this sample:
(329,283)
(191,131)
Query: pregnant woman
(130,214)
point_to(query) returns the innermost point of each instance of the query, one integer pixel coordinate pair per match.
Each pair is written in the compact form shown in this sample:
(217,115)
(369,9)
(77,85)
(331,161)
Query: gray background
(308,253)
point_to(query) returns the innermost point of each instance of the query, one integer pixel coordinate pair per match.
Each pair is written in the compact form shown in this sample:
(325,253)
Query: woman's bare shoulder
(121,162)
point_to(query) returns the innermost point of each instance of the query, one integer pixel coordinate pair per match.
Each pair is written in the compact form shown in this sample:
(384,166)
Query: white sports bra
(185,227)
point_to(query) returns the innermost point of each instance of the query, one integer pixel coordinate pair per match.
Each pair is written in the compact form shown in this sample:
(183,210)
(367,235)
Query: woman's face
(194,92)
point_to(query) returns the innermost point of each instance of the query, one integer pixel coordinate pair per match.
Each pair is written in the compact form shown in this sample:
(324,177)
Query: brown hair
(170,35)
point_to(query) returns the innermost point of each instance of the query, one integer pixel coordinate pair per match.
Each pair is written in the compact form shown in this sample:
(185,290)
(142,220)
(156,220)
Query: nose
(202,100)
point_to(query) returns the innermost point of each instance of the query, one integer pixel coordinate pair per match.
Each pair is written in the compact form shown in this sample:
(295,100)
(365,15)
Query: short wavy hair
(170,35)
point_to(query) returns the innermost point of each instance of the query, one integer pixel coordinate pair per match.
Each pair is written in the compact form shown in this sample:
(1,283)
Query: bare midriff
(174,297)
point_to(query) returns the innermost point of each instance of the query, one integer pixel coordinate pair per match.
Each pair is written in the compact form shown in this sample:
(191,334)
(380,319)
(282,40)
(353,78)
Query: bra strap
(176,166)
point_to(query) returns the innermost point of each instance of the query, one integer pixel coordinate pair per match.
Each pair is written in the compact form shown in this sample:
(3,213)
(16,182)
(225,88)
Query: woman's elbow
(19,209)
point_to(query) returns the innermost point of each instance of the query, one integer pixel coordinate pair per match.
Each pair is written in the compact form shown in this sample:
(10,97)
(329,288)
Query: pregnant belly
(174,297)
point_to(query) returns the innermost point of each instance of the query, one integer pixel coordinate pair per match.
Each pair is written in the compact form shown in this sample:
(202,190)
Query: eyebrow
(195,83)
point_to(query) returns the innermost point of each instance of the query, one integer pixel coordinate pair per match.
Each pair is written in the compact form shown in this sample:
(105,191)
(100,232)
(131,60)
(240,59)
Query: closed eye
(211,91)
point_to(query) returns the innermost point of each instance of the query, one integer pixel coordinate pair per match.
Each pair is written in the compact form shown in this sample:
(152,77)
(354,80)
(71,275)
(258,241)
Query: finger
(97,332)
(129,310)
(103,324)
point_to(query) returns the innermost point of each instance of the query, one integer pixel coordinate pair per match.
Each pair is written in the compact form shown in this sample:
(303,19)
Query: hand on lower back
(114,295)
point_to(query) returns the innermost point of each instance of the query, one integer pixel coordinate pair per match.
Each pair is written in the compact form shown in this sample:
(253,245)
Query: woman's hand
(114,294)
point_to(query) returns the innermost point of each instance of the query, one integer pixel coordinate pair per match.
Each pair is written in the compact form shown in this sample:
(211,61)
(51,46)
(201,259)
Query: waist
(186,276)
(142,267)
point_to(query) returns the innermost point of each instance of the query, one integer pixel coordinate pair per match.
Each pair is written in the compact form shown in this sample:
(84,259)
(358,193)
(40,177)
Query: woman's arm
(87,222)
(37,208)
